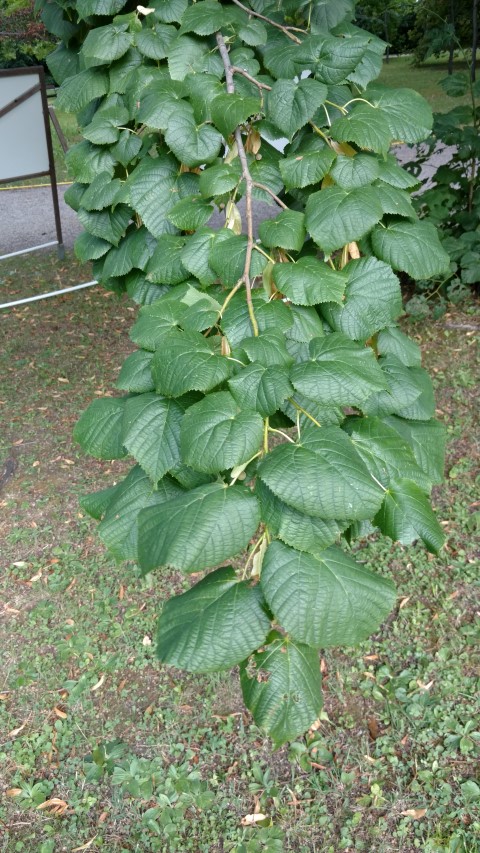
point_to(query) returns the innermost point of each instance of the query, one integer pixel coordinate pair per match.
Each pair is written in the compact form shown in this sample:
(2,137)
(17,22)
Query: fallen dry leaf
(87,843)
(59,713)
(54,806)
(13,792)
(16,732)
(252,819)
(98,685)
(415,813)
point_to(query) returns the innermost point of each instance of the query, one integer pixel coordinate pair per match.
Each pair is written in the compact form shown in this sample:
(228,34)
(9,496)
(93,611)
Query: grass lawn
(104,749)
(401,71)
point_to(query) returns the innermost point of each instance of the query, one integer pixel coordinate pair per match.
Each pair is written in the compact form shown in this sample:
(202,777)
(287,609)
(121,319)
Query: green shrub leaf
(215,625)
(324,600)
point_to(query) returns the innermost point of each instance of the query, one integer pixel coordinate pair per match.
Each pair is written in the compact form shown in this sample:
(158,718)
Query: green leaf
(353,172)
(193,145)
(427,440)
(157,319)
(310,281)
(331,58)
(133,251)
(196,253)
(110,224)
(223,521)
(102,192)
(227,258)
(286,231)
(339,372)
(253,32)
(152,433)
(77,91)
(366,126)
(100,428)
(326,14)
(152,196)
(281,686)
(393,342)
(230,111)
(184,52)
(306,324)
(323,477)
(455,85)
(217,435)
(373,300)
(96,503)
(155,42)
(303,532)
(86,8)
(89,248)
(306,168)
(423,407)
(214,625)
(203,88)
(392,173)
(85,161)
(385,453)
(219,179)
(169,11)
(103,129)
(335,217)
(236,323)
(165,265)
(395,201)
(104,45)
(261,389)
(136,373)
(267,349)
(413,247)
(204,18)
(404,388)
(406,515)
(62,63)
(127,148)
(324,600)
(186,361)
(118,529)
(409,116)
(291,105)
(190,213)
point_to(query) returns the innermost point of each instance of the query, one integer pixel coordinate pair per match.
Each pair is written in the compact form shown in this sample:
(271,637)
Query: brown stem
(286,30)
(248,185)
(237,70)
(271,193)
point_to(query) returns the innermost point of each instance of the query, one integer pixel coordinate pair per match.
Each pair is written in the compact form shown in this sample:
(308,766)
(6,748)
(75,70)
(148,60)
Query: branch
(237,70)
(248,184)
(285,30)
(271,193)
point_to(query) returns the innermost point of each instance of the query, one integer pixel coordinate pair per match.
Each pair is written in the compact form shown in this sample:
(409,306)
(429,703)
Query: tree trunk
(474,40)
(452,42)
(385,29)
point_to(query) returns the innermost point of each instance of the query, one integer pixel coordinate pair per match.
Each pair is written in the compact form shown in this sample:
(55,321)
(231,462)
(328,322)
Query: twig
(237,70)
(248,185)
(285,30)
(271,193)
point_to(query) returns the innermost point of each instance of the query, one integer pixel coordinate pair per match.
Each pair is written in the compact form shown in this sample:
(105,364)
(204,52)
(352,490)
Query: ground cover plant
(241,339)
(94,727)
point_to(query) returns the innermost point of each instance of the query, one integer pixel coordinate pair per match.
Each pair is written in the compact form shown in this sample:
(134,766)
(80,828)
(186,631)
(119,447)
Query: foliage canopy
(273,406)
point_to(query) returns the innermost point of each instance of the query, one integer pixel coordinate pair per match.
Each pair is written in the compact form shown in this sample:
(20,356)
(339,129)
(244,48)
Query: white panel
(23,144)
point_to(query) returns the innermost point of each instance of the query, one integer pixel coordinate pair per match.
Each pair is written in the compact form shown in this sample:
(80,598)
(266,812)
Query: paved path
(26,215)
